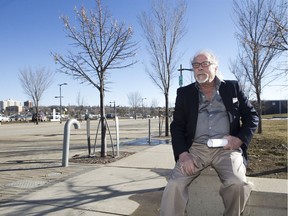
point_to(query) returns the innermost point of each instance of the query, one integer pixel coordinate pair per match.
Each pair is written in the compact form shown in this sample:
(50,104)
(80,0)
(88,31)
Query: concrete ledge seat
(268,196)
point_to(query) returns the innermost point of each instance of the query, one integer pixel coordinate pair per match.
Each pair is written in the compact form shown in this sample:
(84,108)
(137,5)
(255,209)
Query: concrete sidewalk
(130,186)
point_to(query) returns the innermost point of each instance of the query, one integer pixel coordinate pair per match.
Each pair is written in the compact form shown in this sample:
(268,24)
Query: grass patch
(268,151)
(283,115)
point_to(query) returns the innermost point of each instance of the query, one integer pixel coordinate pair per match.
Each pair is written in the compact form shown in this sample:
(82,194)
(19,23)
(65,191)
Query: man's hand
(187,163)
(233,143)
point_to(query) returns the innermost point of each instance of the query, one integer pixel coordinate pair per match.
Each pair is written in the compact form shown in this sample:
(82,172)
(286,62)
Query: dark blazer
(185,116)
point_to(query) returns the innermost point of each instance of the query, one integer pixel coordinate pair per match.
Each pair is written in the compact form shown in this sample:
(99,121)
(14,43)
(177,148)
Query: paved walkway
(33,181)
(130,186)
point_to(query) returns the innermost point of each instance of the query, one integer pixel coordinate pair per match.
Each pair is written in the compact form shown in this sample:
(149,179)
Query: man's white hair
(211,57)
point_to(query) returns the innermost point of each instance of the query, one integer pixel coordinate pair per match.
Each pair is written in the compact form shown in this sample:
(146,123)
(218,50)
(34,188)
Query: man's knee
(176,184)
(235,186)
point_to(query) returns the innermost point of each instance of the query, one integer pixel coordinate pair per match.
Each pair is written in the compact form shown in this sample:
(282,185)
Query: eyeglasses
(203,64)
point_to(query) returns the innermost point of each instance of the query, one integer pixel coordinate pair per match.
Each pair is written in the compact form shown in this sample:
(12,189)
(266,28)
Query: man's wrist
(183,154)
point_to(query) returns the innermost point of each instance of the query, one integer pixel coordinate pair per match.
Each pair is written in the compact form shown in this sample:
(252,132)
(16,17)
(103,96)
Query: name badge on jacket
(235,100)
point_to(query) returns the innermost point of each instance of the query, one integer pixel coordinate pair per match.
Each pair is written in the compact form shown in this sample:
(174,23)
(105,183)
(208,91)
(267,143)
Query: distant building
(28,104)
(10,103)
(13,109)
(274,107)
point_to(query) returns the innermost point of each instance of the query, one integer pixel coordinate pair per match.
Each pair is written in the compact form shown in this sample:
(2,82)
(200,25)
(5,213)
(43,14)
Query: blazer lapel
(227,97)
(193,106)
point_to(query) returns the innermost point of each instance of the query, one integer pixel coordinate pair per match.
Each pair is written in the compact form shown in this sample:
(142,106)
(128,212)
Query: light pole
(60,100)
(143,107)
(181,75)
(114,108)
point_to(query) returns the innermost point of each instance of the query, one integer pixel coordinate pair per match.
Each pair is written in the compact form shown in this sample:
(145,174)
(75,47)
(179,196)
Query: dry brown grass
(268,151)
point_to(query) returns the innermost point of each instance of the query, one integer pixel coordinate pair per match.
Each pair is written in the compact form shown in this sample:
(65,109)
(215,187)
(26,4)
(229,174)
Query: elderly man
(206,131)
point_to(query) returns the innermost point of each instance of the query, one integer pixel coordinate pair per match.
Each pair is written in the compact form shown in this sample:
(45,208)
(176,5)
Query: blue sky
(31,29)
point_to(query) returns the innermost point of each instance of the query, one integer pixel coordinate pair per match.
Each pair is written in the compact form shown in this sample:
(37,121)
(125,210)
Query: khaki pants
(231,170)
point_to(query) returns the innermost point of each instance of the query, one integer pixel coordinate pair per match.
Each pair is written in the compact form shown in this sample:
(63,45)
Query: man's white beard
(202,78)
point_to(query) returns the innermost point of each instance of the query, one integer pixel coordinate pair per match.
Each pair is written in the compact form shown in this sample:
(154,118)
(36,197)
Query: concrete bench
(268,196)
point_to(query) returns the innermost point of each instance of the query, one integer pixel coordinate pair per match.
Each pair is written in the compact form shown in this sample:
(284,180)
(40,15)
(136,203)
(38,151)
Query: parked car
(28,117)
(4,118)
(20,118)
(110,116)
(41,117)
(13,118)
(17,117)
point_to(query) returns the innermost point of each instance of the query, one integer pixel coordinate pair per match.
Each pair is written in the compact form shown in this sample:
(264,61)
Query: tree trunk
(37,111)
(135,115)
(166,114)
(259,110)
(103,124)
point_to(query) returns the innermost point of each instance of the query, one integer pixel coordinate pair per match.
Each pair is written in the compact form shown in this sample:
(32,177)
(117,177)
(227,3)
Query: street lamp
(143,107)
(181,75)
(60,100)
(114,108)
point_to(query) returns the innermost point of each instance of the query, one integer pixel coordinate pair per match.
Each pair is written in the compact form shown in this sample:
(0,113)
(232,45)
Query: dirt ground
(267,162)
(99,160)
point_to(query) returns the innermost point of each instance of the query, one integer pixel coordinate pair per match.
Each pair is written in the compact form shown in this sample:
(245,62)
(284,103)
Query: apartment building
(11,105)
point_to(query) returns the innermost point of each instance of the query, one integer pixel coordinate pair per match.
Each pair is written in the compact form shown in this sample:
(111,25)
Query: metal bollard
(117,135)
(66,140)
(149,131)
(88,136)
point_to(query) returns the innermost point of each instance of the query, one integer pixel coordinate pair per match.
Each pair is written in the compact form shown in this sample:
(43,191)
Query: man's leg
(175,196)
(235,190)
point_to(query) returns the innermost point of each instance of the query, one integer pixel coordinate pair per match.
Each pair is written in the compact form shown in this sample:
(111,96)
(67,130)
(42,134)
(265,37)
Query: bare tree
(134,100)
(278,18)
(241,77)
(282,36)
(163,28)
(154,107)
(35,83)
(80,103)
(102,44)
(258,38)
